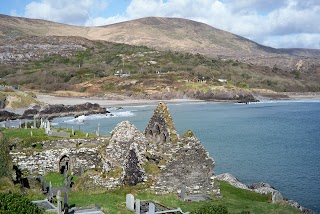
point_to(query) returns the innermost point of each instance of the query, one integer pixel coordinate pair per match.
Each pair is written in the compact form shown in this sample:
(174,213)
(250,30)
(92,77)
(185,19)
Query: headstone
(137,206)
(69,182)
(41,123)
(98,131)
(44,185)
(34,123)
(20,124)
(72,131)
(152,208)
(80,171)
(50,194)
(130,202)
(65,204)
(25,124)
(31,134)
(65,173)
(59,202)
(87,135)
(183,192)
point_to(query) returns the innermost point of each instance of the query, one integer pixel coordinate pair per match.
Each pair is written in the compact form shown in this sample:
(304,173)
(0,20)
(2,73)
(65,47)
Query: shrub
(17,203)
(211,209)
(4,157)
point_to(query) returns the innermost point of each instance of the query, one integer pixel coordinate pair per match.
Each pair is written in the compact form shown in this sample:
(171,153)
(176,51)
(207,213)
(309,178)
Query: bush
(211,209)
(17,203)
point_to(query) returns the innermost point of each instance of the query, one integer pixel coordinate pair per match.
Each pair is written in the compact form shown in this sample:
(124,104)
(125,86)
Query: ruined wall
(48,160)
(190,167)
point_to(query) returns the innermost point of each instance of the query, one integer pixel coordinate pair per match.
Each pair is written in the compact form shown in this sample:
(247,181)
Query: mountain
(161,33)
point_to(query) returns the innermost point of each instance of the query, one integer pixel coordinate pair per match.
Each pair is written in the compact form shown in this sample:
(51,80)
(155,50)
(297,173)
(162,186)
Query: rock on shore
(262,188)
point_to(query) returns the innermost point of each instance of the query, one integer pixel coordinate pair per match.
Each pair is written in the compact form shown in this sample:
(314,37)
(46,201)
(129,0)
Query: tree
(4,156)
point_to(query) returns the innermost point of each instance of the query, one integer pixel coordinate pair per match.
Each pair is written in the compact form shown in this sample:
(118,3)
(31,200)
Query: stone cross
(65,204)
(137,206)
(130,202)
(59,202)
(152,208)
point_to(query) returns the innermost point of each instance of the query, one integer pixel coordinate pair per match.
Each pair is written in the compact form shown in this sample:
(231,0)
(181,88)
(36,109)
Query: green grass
(26,140)
(236,200)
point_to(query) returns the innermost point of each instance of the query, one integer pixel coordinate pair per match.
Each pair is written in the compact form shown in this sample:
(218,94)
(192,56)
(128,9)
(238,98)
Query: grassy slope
(99,63)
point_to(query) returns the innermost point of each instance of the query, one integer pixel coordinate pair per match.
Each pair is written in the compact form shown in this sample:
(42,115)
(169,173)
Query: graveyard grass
(113,201)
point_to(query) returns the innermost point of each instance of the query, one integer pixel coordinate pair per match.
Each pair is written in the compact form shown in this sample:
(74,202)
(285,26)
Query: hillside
(168,56)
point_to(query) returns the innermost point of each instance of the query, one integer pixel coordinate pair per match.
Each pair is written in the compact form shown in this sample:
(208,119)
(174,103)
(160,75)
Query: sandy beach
(49,99)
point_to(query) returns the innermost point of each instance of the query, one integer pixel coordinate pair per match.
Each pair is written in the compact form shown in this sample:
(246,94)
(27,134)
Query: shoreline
(104,102)
(50,99)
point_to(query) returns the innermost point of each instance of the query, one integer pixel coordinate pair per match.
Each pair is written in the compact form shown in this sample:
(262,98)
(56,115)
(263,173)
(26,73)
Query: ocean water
(273,142)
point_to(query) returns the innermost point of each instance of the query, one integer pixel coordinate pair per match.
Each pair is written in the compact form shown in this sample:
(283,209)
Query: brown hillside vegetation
(65,57)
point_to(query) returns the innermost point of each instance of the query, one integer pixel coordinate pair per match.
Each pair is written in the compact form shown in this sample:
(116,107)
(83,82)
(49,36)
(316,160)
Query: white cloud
(71,12)
(269,22)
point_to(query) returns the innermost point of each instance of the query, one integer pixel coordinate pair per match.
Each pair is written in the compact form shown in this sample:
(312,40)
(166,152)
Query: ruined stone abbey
(158,157)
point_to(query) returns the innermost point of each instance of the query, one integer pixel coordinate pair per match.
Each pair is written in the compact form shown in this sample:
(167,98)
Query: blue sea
(277,142)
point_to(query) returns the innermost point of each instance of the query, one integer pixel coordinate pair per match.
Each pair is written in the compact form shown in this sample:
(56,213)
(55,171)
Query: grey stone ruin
(65,204)
(152,208)
(59,202)
(137,206)
(130,202)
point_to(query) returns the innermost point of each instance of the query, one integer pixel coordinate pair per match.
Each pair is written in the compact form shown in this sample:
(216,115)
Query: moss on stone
(188,133)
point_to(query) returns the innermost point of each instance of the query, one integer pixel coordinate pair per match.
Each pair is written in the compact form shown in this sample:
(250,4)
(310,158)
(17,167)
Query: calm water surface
(273,142)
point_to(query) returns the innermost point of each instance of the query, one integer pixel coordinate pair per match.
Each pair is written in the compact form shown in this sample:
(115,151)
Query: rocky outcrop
(6,115)
(262,188)
(247,98)
(51,111)
(2,102)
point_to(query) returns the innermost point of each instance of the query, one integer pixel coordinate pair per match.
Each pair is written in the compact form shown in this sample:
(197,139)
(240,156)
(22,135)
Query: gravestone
(65,204)
(69,182)
(183,192)
(59,202)
(65,173)
(25,124)
(137,206)
(130,202)
(72,131)
(50,194)
(44,185)
(80,171)
(20,125)
(34,123)
(152,208)
(87,135)
(31,134)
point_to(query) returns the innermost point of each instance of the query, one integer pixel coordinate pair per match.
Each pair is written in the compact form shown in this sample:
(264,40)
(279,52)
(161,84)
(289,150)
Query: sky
(275,23)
